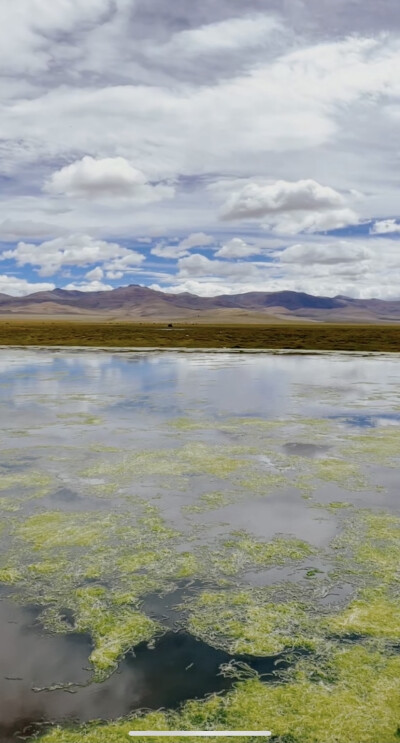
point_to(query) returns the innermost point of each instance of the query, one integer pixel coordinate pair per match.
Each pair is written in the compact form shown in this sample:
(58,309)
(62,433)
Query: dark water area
(45,678)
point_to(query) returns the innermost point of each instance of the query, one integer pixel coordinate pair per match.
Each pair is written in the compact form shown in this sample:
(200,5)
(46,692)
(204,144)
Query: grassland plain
(293,336)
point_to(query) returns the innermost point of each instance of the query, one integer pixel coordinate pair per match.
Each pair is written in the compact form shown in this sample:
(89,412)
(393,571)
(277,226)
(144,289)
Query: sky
(213,147)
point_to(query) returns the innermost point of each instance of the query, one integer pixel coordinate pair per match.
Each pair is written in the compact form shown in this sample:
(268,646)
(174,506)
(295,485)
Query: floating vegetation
(9,576)
(144,539)
(114,630)
(374,614)
(242,551)
(191,459)
(343,473)
(379,445)
(249,622)
(351,696)
(10,505)
(82,419)
(35,484)
(211,501)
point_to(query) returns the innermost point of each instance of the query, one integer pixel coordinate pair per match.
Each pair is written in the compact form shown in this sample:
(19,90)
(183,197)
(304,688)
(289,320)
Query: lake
(210,538)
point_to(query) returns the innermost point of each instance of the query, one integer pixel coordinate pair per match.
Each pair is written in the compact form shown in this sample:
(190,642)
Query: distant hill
(141,303)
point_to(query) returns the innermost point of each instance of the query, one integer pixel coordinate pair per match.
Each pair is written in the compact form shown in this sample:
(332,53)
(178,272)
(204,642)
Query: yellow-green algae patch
(373,614)
(10,505)
(195,458)
(82,419)
(9,576)
(114,631)
(368,549)
(352,698)
(243,551)
(230,425)
(55,554)
(346,474)
(380,445)
(211,501)
(38,483)
(248,622)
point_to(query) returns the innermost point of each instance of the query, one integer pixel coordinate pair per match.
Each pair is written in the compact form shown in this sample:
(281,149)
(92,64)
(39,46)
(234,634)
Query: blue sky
(212,147)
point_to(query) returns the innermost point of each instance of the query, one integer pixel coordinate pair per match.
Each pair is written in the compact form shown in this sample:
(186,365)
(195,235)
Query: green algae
(230,425)
(83,419)
(264,483)
(10,505)
(190,459)
(113,631)
(9,576)
(37,483)
(248,622)
(352,697)
(55,553)
(242,551)
(333,506)
(57,529)
(368,549)
(100,566)
(380,446)
(188,424)
(346,474)
(211,501)
(374,614)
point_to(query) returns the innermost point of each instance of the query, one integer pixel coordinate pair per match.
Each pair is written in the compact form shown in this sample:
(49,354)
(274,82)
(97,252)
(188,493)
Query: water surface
(164,475)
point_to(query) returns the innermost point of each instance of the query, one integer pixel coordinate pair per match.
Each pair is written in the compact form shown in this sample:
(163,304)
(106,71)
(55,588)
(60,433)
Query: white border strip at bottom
(199,733)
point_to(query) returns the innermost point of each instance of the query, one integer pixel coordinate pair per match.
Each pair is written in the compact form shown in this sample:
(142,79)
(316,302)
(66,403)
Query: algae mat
(199,542)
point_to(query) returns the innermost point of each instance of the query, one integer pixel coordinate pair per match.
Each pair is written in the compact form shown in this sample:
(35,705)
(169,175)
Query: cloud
(197,265)
(128,111)
(355,266)
(12,230)
(237,248)
(110,177)
(125,263)
(224,36)
(290,207)
(17,287)
(92,286)
(96,274)
(195,240)
(29,30)
(332,254)
(385,227)
(297,222)
(75,250)
(257,200)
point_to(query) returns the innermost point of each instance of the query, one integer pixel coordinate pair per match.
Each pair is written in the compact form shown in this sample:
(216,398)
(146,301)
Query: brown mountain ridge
(143,304)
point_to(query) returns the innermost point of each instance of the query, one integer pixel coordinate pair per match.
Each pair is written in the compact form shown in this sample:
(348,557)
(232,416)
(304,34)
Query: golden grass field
(295,336)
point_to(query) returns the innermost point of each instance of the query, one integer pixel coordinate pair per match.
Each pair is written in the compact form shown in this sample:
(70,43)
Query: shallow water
(34,664)
(188,464)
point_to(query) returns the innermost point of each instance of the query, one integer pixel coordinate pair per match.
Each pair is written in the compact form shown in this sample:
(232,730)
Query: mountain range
(138,303)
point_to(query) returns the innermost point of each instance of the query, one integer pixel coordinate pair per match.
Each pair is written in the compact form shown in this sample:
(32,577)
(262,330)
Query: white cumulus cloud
(75,250)
(333,253)
(237,248)
(385,227)
(16,287)
(89,286)
(109,177)
(96,274)
(195,240)
(289,206)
